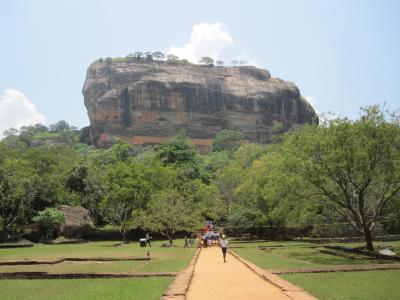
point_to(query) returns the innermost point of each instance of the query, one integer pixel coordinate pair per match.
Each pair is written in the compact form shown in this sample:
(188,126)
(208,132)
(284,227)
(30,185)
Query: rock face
(78,223)
(147,102)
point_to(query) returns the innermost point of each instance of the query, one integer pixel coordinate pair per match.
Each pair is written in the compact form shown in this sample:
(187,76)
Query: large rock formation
(147,102)
(78,223)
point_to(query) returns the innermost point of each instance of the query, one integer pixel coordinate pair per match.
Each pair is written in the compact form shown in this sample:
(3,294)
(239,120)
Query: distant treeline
(170,58)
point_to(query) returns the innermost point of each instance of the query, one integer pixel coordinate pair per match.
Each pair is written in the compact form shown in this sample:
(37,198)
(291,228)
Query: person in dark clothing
(148,238)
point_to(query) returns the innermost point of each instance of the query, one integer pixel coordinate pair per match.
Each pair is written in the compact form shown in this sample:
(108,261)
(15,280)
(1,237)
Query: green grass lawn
(373,285)
(326,286)
(125,288)
(162,259)
(296,255)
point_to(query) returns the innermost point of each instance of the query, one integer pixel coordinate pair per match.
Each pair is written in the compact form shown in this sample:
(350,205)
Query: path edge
(180,285)
(289,289)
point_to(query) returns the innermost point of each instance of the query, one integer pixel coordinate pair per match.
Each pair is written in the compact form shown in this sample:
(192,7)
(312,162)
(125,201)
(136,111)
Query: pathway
(214,279)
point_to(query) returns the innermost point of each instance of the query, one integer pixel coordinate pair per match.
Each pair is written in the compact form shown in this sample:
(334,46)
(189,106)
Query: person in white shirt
(224,246)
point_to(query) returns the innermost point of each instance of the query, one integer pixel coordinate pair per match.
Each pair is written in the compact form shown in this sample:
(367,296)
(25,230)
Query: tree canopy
(341,172)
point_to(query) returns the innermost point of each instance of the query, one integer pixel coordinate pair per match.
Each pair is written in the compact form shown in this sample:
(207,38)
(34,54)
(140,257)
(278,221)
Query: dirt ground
(214,279)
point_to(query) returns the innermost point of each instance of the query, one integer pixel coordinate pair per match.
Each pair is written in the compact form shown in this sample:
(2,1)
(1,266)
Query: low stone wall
(46,275)
(341,268)
(61,260)
(378,238)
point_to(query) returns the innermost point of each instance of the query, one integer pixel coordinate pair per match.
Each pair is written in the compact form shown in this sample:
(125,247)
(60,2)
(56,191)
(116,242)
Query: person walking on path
(148,237)
(224,246)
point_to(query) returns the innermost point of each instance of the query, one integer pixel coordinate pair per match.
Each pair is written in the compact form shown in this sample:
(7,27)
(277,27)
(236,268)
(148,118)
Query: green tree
(129,187)
(179,153)
(75,181)
(171,58)
(120,151)
(93,193)
(178,150)
(219,63)
(211,163)
(49,221)
(148,55)
(205,60)
(60,126)
(15,196)
(138,55)
(227,140)
(11,132)
(234,62)
(229,178)
(351,166)
(130,57)
(168,212)
(205,199)
(158,55)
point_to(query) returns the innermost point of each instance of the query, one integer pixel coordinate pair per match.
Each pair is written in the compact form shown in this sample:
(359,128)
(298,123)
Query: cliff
(147,102)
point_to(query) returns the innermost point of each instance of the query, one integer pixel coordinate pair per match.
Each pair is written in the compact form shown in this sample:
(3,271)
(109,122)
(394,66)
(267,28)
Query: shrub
(49,221)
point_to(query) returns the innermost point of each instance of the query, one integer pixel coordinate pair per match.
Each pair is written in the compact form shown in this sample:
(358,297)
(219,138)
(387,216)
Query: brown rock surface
(78,223)
(147,102)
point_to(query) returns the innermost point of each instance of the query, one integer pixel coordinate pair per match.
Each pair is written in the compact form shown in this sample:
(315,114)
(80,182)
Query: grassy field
(371,285)
(126,288)
(298,255)
(162,259)
(326,286)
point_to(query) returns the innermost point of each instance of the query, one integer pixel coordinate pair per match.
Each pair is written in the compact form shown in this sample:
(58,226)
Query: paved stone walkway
(214,279)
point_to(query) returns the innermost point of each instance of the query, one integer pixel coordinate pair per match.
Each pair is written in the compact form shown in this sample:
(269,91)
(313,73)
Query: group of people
(208,238)
(211,236)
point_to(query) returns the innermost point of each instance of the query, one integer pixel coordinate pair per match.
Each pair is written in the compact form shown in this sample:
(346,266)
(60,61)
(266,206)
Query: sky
(342,54)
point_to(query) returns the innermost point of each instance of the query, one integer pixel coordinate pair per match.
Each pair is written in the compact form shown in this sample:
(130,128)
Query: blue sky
(341,54)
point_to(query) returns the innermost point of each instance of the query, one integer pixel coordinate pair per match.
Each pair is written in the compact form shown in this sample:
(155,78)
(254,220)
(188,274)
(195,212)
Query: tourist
(224,246)
(186,242)
(148,237)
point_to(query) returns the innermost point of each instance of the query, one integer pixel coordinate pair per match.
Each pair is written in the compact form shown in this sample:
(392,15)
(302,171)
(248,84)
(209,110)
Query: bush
(49,221)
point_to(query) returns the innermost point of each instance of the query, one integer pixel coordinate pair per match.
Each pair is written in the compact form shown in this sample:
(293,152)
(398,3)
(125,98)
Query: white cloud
(205,40)
(17,110)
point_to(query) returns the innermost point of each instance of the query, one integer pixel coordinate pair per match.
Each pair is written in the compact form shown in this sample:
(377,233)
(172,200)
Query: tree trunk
(123,233)
(368,238)
(171,237)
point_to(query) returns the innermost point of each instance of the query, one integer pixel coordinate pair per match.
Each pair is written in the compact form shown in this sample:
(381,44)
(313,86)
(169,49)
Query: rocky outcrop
(78,223)
(147,102)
